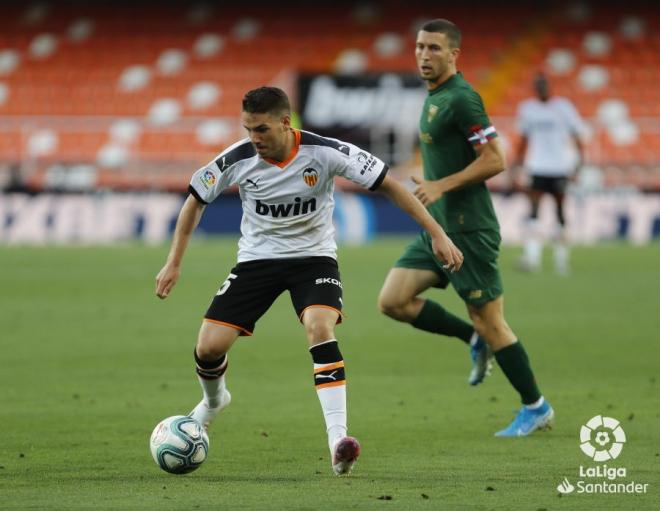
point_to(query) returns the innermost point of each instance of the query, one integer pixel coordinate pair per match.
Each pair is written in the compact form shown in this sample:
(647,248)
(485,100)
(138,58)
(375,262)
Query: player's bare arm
(490,161)
(579,146)
(189,217)
(515,171)
(443,248)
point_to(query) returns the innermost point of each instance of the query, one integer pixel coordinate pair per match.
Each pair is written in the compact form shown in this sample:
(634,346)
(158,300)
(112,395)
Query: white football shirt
(549,127)
(287,206)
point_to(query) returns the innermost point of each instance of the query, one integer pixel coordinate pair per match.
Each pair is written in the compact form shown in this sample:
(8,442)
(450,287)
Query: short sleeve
(575,123)
(471,118)
(360,166)
(209,181)
(522,120)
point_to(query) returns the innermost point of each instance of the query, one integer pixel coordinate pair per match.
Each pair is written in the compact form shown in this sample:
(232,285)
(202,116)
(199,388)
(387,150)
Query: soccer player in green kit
(460,151)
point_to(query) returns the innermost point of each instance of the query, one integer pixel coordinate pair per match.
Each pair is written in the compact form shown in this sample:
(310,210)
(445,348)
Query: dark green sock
(433,318)
(515,365)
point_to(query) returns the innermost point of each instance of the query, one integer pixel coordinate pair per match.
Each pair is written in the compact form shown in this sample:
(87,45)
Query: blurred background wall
(106,108)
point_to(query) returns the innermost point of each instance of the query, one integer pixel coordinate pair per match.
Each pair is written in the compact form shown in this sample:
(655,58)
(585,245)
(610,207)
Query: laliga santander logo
(602,438)
(208,178)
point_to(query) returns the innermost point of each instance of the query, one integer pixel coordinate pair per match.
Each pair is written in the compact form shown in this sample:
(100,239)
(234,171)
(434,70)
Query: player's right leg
(242,299)
(416,271)
(213,343)
(399,299)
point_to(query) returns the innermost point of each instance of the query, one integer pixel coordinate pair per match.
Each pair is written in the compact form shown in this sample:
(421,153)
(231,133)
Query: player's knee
(392,306)
(319,330)
(211,345)
(478,325)
(497,332)
(491,327)
(206,349)
(393,310)
(386,306)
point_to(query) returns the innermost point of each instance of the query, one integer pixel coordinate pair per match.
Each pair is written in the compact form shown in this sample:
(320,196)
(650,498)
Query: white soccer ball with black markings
(179,444)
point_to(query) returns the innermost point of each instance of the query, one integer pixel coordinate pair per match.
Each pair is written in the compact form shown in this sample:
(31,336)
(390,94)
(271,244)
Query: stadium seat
(180,71)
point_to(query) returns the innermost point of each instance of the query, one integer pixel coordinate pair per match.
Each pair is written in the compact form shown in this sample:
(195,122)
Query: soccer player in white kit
(550,128)
(286,181)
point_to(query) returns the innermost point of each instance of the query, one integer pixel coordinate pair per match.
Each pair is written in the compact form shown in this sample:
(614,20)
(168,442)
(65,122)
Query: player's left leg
(316,293)
(533,241)
(560,241)
(416,270)
(536,412)
(330,382)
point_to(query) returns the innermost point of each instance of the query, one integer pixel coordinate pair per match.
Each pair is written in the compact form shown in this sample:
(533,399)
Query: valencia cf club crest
(310,176)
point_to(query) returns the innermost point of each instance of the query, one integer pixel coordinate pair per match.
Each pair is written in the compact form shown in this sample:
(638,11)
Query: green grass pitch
(91,360)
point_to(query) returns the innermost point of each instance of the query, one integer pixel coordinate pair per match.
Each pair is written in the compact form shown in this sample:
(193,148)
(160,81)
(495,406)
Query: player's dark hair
(446,27)
(266,100)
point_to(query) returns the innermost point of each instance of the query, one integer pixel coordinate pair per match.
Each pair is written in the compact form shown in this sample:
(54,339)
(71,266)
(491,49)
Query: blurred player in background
(550,127)
(460,151)
(286,181)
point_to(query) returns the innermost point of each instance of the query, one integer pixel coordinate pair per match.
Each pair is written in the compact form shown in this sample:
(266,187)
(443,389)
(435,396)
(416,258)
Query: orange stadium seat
(80,79)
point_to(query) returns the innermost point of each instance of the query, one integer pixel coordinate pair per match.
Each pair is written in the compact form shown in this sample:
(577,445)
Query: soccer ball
(179,444)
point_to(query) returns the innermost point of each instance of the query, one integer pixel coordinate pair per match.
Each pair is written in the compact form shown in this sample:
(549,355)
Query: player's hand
(573,178)
(445,250)
(166,279)
(427,191)
(518,183)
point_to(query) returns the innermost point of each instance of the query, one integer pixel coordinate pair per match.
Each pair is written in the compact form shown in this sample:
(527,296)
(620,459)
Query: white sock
(333,403)
(211,376)
(561,251)
(533,245)
(562,255)
(536,404)
(213,390)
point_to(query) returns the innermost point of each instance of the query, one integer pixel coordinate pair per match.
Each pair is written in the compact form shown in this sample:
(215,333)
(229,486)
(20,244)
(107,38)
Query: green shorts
(478,281)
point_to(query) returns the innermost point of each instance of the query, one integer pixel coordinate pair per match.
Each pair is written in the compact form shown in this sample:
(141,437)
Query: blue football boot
(482,361)
(527,421)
